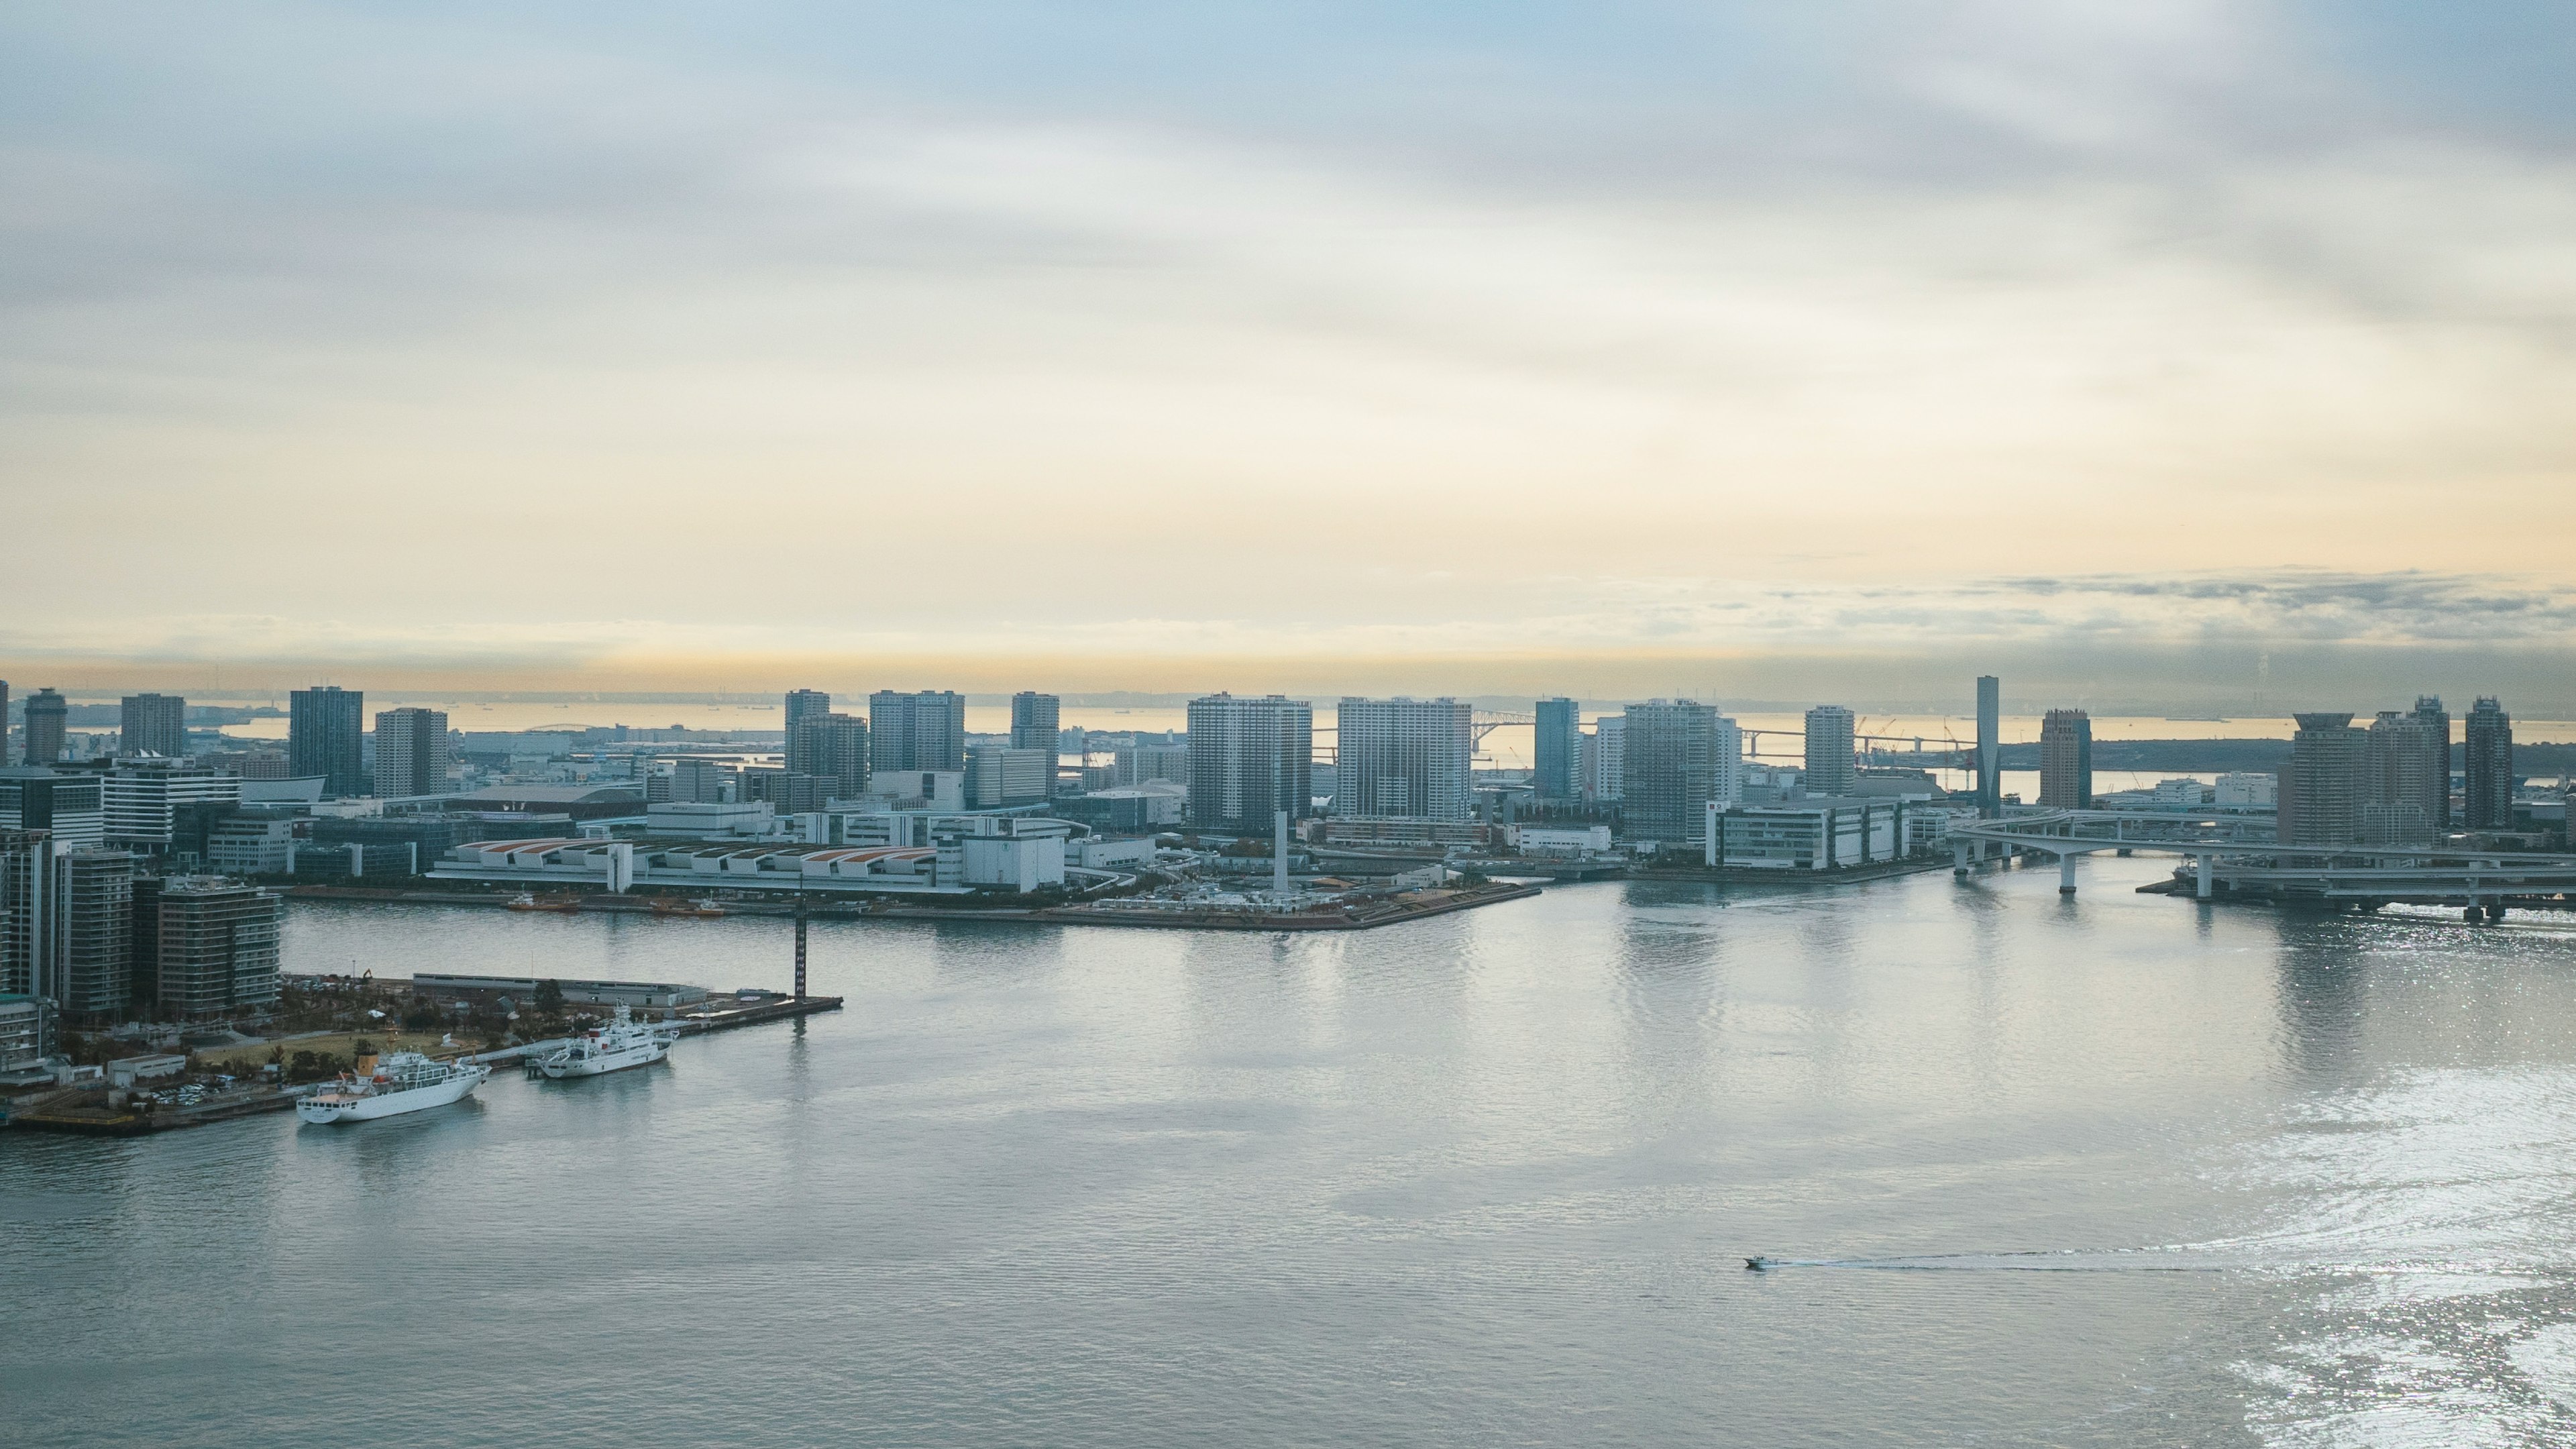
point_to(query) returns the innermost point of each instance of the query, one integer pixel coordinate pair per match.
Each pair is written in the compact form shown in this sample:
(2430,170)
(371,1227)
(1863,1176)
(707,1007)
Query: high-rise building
(94,951)
(2066,760)
(412,752)
(802,705)
(325,735)
(834,749)
(216,947)
(65,923)
(2486,801)
(701,782)
(2437,739)
(1557,753)
(45,711)
(1035,726)
(70,807)
(2397,780)
(2321,791)
(143,798)
(1833,763)
(155,724)
(1249,759)
(4,722)
(1407,758)
(1139,761)
(1605,759)
(998,776)
(923,731)
(1671,770)
(787,792)
(1990,747)
(26,906)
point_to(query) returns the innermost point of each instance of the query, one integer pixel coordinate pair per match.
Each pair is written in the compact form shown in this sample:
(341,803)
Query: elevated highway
(2240,855)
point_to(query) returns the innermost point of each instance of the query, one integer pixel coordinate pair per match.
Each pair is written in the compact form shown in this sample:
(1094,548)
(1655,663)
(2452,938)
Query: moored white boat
(624,1042)
(397,1083)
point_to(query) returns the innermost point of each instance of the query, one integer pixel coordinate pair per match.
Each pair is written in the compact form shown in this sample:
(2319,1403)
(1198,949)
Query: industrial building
(1817,833)
(947,860)
(1404,758)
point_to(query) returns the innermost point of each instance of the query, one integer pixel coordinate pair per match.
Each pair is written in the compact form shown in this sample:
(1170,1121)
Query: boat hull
(331,1107)
(643,1055)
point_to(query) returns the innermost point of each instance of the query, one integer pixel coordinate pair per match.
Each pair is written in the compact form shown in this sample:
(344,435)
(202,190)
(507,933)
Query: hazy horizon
(1831,353)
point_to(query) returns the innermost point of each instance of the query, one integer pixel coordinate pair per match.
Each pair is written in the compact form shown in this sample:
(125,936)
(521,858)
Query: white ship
(397,1083)
(623,1042)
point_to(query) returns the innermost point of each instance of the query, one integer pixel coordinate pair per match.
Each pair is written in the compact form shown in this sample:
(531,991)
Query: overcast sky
(1753,348)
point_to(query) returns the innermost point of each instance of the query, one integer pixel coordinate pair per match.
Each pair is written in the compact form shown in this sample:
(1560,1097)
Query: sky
(2141,353)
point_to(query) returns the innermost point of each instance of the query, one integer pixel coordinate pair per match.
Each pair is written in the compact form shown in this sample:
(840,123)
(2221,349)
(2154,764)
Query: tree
(550,997)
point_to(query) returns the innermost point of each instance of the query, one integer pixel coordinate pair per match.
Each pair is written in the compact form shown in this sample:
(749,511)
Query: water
(2119,1171)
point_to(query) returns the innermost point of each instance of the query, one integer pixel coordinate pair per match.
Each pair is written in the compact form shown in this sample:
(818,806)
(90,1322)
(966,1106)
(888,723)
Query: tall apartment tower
(1671,769)
(4,722)
(45,711)
(1558,750)
(923,731)
(1833,763)
(2437,739)
(2487,800)
(155,724)
(2066,760)
(802,705)
(26,899)
(834,749)
(2320,793)
(216,947)
(325,733)
(412,752)
(1990,747)
(1250,759)
(1035,725)
(1604,762)
(66,923)
(2398,780)
(1406,758)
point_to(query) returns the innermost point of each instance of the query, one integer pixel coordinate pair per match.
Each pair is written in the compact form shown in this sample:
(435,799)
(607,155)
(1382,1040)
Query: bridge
(2242,854)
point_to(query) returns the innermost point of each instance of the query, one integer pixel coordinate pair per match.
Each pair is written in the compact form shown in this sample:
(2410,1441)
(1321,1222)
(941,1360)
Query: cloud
(1734,330)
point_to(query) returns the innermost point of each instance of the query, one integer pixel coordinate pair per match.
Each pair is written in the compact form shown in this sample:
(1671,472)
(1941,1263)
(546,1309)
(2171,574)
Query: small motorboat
(1760,1265)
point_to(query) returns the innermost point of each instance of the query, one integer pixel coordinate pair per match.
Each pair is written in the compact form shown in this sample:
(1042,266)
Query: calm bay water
(2123,1170)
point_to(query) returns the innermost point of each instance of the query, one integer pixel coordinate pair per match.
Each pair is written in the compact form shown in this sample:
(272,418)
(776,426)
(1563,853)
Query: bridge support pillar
(1959,858)
(2200,883)
(2066,874)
